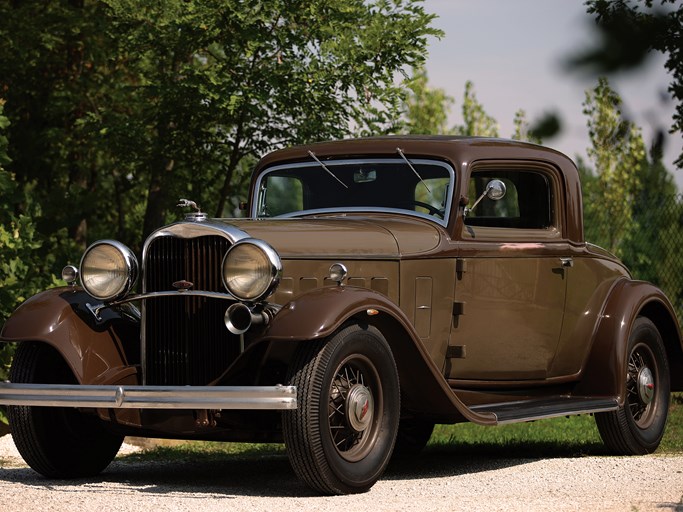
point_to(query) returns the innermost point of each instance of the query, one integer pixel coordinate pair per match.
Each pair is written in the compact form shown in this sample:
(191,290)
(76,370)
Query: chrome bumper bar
(149,397)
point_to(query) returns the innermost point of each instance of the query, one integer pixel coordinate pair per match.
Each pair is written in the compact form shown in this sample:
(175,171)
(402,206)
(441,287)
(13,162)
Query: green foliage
(546,126)
(572,436)
(476,120)
(426,108)
(116,108)
(631,205)
(23,270)
(205,451)
(426,111)
(4,143)
(618,153)
(523,130)
(137,104)
(629,31)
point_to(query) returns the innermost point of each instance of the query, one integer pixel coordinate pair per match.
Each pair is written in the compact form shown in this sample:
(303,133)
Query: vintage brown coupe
(378,287)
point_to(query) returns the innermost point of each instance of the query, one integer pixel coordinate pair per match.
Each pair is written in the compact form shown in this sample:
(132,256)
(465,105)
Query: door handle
(567,262)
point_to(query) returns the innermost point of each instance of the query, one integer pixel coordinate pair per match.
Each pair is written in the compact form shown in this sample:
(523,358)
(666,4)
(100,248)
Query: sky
(513,51)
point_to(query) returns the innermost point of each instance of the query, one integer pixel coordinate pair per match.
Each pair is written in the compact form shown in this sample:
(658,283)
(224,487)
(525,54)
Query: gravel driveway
(432,482)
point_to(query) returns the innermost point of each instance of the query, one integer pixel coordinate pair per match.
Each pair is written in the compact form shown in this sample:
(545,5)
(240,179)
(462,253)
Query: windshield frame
(258,190)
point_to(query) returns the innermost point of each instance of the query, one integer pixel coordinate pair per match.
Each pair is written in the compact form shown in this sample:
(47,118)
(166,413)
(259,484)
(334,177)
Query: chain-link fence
(650,242)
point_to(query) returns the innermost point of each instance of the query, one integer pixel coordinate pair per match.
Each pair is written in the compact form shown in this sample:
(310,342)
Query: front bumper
(149,397)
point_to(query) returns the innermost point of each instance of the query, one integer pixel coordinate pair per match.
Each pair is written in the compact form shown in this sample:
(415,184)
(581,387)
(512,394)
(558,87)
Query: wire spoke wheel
(340,438)
(640,385)
(637,426)
(353,408)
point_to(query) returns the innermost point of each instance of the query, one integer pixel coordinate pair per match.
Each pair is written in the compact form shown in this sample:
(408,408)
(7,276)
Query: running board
(538,409)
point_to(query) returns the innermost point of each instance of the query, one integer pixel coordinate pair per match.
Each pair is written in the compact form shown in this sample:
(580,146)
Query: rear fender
(97,351)
(319,313)
(603,373)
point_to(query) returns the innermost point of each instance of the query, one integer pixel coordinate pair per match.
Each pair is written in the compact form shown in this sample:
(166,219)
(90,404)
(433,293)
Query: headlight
(251,269)
(109,270)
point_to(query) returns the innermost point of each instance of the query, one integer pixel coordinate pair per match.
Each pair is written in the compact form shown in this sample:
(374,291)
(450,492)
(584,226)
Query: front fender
(604,371)
(319,313)
(97,351)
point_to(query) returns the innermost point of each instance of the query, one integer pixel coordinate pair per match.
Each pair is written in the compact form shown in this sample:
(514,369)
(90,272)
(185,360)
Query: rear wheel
(340,438)
(57,442)
(637,427)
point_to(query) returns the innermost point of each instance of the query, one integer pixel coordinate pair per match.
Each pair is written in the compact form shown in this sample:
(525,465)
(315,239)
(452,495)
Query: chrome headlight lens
(108,270)
(251,269)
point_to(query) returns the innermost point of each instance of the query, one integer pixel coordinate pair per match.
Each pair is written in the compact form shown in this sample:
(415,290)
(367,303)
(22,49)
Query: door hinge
(460,265)
(456,352)
(458,308)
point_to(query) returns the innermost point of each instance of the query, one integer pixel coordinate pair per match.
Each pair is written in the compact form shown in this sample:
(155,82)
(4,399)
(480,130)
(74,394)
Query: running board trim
(538,409)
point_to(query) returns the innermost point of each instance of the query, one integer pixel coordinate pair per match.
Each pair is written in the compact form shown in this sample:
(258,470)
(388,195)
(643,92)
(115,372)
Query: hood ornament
(197,215)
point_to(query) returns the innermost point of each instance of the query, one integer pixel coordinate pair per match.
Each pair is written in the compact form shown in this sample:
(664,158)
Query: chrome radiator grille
(186,341)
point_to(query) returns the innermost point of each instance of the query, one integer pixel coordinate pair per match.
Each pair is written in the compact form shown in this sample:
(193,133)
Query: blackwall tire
(413,435)
(57,442)
(637,427)
(340,438)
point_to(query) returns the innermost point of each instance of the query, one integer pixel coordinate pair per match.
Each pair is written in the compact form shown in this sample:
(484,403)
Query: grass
(574,435)
(559,437)
(198,451)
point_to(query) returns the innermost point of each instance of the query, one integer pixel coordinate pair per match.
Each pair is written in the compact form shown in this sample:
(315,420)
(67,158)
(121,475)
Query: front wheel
(340,438)
(637,427)
(57,442)
(413,435)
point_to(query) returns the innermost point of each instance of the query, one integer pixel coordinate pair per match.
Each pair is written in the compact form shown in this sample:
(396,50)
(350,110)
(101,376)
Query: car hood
(354,237)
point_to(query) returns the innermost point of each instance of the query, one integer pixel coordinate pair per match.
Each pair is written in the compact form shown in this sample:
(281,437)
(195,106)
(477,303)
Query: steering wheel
(433,210)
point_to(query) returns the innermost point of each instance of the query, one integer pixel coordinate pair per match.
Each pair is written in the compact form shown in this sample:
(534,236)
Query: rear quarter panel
(590,283)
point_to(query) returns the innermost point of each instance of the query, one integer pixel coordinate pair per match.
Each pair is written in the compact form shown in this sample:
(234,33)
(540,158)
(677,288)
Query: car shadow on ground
(220,475)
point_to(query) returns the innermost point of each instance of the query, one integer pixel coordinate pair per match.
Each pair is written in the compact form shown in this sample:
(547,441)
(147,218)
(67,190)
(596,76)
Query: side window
(527,204)
(281,194)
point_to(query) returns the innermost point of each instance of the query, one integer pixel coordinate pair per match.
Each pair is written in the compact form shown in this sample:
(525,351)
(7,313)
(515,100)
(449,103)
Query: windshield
(355,186)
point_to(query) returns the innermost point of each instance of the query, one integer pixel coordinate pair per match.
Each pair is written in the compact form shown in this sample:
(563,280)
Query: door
(511,281)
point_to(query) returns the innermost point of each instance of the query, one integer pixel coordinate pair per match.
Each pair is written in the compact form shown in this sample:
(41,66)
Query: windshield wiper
(325,167)
(400,152)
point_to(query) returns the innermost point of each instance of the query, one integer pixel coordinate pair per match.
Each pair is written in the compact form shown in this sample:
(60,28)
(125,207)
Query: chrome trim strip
(96,308)
(172,293)
(531,413)
(571,412)
(355,209)
(149,397)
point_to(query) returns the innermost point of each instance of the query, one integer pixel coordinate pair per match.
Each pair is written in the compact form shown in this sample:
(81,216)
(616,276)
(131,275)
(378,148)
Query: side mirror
(495,191)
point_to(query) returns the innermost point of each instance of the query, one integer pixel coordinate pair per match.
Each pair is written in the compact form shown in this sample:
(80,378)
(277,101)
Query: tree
(630,31)
(522,129)
(23,271)
(618,153)
(631,204)
(476,120)
(426,108)
(123,106)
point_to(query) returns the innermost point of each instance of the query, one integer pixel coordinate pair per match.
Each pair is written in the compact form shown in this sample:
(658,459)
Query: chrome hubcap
(359,408)
(355,407)
(646,385)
